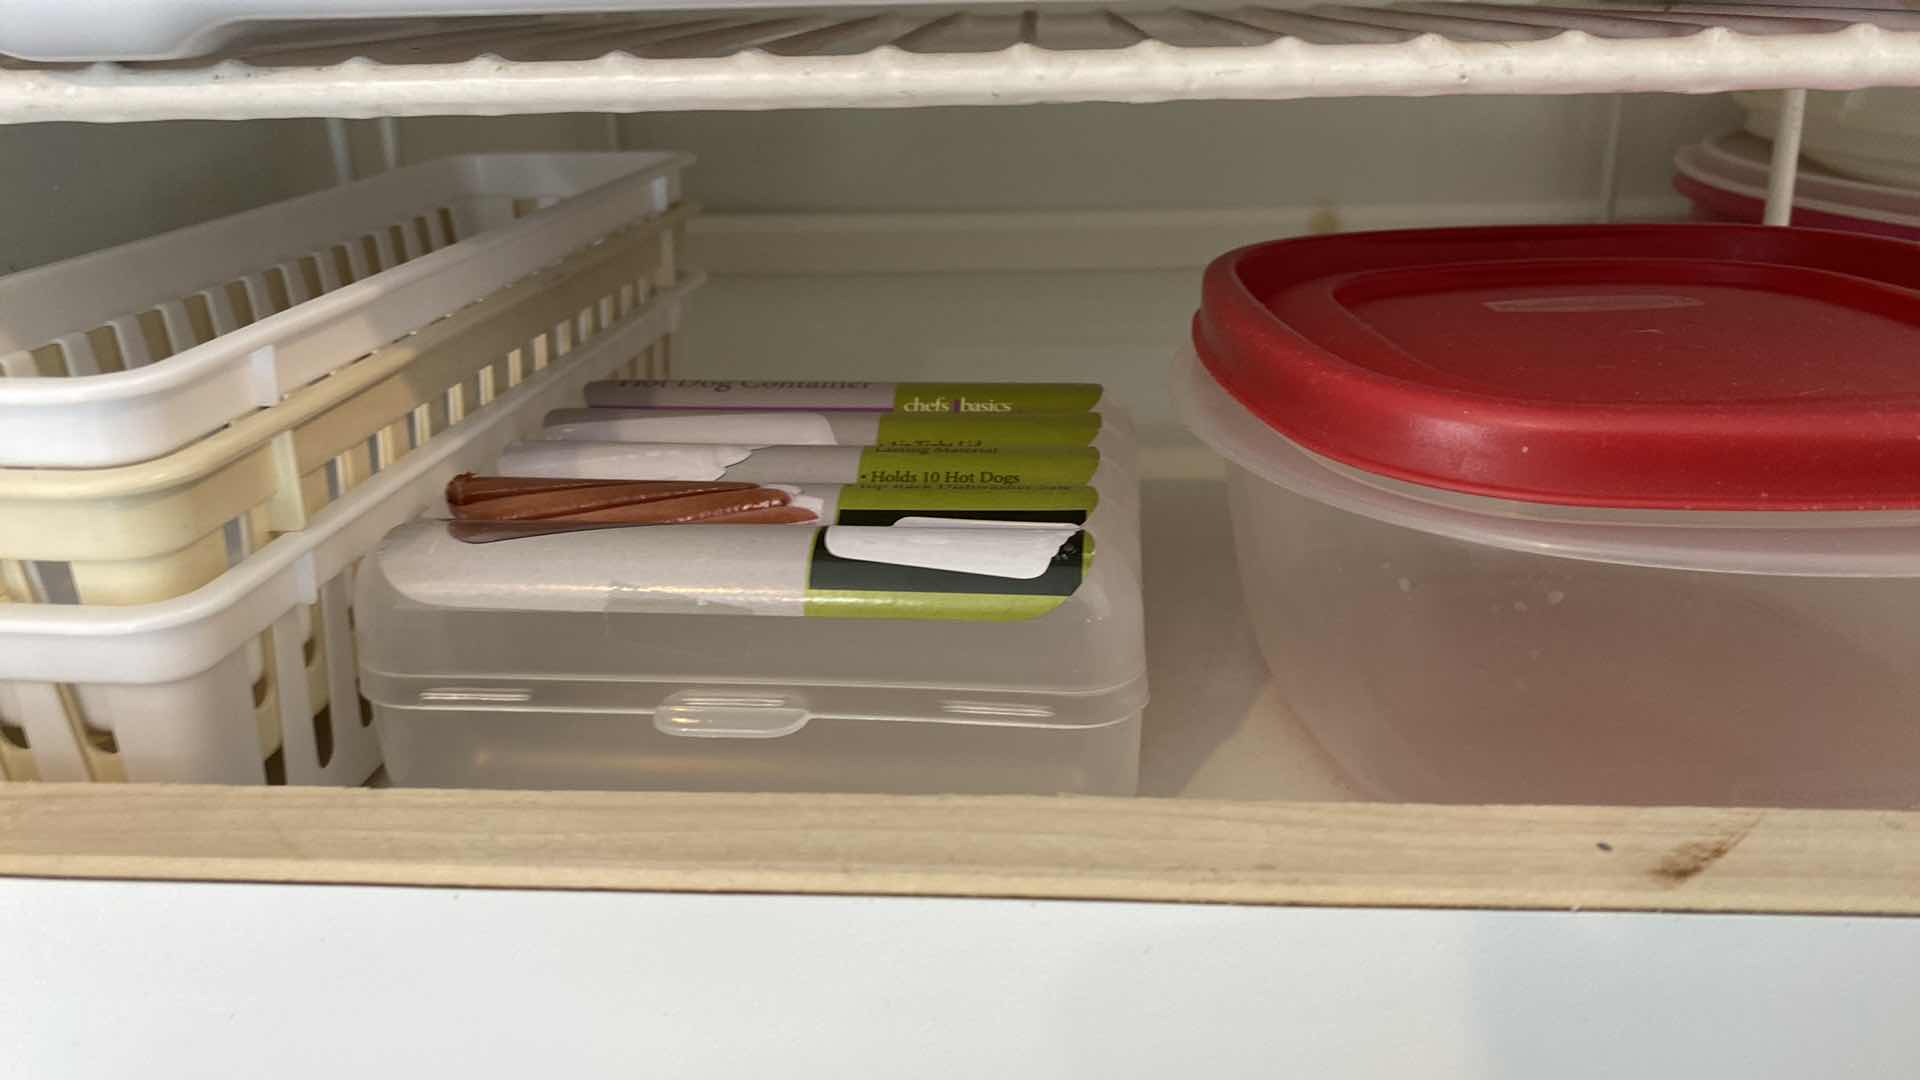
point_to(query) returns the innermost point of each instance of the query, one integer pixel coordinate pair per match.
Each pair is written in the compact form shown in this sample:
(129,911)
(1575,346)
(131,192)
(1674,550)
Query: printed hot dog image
(624,502)
(529,500)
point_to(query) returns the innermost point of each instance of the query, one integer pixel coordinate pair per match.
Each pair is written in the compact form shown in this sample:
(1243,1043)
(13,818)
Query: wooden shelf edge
(1177,850)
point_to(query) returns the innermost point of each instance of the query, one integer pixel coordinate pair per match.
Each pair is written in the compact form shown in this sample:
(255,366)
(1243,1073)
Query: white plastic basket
(181,689)
(134,534)
(141,349)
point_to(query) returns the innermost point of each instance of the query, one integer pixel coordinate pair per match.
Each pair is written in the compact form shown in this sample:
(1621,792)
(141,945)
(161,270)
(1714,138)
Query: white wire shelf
(916,56)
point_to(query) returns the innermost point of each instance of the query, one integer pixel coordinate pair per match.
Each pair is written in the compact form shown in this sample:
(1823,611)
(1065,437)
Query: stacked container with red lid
(1581,514)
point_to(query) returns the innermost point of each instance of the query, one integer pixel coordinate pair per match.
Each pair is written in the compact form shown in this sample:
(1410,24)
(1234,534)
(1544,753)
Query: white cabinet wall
(373,933)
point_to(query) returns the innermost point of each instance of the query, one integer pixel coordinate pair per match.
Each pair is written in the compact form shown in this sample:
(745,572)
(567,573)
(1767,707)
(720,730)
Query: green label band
(986,399)
(1057,497)
(987,466)
(886,505)
(941,431)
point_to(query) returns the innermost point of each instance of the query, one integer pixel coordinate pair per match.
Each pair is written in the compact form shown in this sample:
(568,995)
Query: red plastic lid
(1709,367)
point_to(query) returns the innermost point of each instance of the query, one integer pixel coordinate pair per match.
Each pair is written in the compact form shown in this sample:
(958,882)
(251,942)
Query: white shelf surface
(917,56)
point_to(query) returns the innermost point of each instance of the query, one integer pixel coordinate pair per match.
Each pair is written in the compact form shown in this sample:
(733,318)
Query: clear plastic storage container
(1595,515)
(1725,178)
(726,657)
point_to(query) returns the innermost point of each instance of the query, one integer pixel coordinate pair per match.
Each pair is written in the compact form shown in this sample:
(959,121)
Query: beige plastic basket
(161,529)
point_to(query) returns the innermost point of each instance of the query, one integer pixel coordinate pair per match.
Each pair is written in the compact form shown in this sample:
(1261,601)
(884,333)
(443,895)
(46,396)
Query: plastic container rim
(1797,543)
